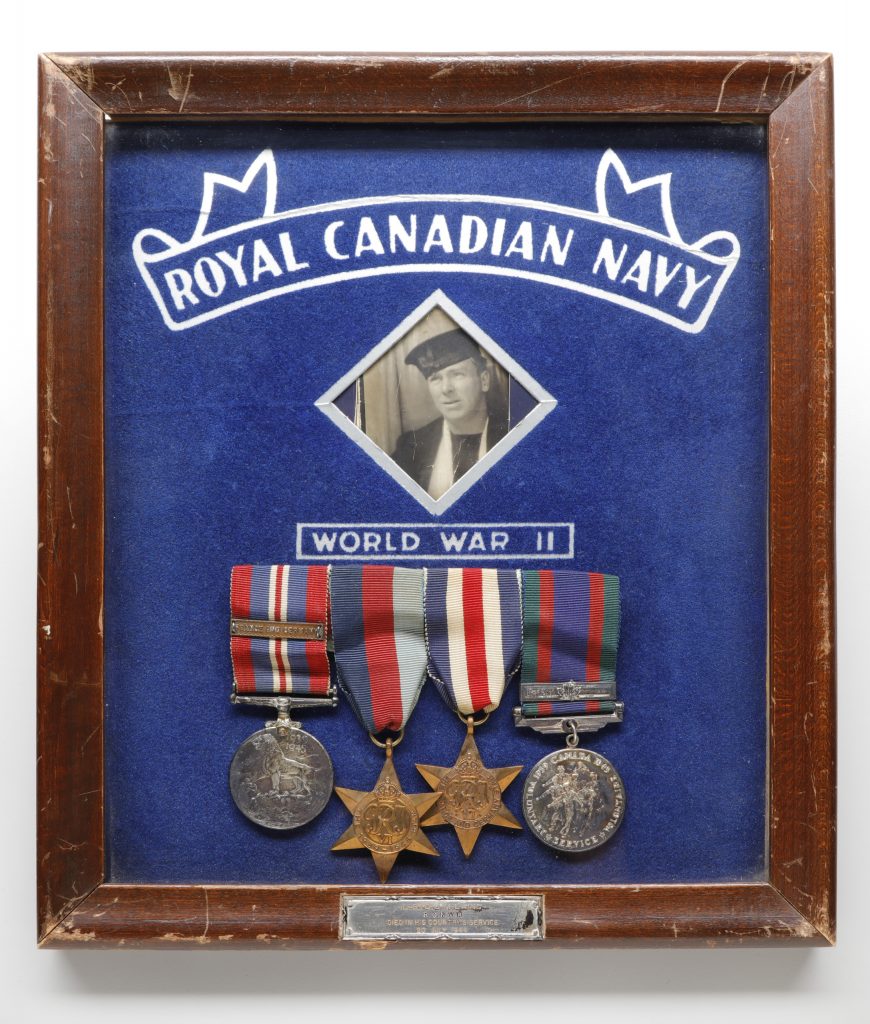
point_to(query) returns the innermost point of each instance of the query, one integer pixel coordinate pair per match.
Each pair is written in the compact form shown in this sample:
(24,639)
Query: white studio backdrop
(812,986)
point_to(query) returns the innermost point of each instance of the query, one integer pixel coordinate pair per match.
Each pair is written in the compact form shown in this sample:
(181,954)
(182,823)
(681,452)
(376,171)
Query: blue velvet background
(657,450)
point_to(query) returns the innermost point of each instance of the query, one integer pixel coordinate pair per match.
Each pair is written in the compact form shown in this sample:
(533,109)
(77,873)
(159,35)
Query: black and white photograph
(436,403)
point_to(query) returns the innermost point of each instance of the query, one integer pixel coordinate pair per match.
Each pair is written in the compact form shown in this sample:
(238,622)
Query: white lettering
(559,252)
(329,240)
(453,541)
(522,241)
(607,256)
(348,541)
(692,285)
(371,541)
(438,234)
(180,285)
(398,233)
(367,239)
(638,272)
(410,541)
(476,543)
(264,261)
(498,236)
(212,285)
(323,541)
(472,234)
(663,276)
(498,540)
(288,254)
(235,265)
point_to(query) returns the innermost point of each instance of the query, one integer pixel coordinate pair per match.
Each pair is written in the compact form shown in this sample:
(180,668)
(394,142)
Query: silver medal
(574,800)
(281,777)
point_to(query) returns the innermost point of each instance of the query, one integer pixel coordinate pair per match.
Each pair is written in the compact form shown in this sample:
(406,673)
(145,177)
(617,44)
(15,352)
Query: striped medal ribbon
(573,799)
(380,647)
(474,635)
(570,634)
(267,659)
(380,654)
(280,777)
(548,708)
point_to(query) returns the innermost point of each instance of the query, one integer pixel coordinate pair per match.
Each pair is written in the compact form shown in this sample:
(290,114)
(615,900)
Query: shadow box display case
(478,406)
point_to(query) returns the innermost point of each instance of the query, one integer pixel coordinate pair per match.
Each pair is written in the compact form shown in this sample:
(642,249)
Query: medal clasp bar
(284,703)
(272,630)
(564,725)
(601,690)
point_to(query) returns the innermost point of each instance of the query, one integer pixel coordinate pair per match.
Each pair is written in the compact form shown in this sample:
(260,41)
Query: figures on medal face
(571,797)
(469,630)
(281,781)
(288,774)
(281,777)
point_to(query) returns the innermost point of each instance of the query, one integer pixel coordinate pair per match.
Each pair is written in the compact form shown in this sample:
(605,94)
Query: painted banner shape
(654,272)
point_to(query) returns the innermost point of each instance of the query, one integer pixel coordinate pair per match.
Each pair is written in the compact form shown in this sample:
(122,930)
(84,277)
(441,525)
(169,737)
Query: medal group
(381,631)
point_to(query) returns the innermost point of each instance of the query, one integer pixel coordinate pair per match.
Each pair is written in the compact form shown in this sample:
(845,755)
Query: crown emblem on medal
(395,825)
(467,763)
(387,790)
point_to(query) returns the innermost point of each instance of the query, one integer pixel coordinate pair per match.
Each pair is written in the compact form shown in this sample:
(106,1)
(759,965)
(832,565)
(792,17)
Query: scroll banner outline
(600,260)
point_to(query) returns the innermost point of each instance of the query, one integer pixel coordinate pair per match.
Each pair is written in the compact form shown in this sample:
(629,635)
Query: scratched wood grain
(465,85)
(791,94)
(277,917)
(802,640)
(70,561)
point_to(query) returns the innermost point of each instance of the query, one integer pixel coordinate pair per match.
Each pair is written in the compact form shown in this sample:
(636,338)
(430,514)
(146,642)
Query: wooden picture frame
(792,96)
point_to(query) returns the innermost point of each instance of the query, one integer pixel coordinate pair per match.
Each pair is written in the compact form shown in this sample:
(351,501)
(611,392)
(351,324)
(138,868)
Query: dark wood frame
(792,95)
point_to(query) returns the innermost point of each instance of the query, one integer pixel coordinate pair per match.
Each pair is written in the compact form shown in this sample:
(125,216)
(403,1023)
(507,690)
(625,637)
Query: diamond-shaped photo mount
(437,403)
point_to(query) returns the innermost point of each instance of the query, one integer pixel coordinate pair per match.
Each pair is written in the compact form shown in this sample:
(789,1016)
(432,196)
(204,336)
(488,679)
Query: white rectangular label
(456,542)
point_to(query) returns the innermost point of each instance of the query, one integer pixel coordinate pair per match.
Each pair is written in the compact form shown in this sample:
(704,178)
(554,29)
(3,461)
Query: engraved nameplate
(277,630)
(372,918)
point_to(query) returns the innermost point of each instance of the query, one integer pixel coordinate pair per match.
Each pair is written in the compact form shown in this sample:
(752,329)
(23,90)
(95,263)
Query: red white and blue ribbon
(474,633)
(280,593)
(379,643)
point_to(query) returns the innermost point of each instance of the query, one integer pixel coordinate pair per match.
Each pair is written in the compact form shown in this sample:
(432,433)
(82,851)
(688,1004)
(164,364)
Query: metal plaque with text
(373,918)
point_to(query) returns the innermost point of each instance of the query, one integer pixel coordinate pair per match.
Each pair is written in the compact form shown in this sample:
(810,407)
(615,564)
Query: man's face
(458,390)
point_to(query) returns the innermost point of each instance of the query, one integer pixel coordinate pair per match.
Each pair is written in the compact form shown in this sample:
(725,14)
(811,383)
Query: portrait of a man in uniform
(459,380)
(435,402)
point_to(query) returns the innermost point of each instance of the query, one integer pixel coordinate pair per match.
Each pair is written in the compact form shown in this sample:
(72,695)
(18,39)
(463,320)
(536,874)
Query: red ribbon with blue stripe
(570,631)
(280,593)
(474,634)
(379,644)
(546,709)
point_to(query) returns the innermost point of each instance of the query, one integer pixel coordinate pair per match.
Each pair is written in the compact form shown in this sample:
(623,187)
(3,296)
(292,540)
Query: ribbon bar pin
(278,630)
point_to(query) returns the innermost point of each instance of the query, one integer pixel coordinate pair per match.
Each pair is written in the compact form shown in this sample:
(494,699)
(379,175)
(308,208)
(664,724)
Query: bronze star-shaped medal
(470,795)
(386,820)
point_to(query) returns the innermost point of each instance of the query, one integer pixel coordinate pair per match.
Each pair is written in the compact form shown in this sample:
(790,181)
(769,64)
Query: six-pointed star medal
(386,820)
(470,795)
